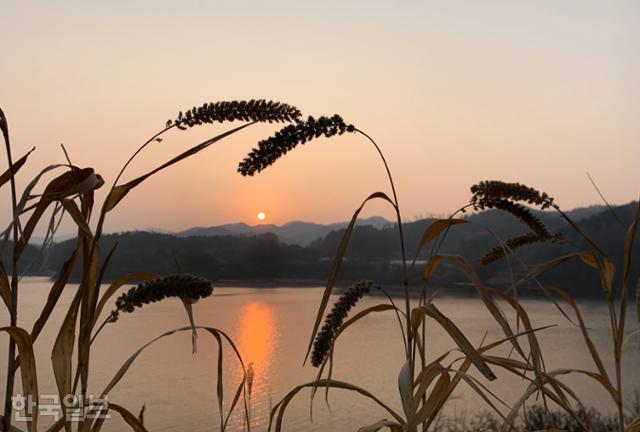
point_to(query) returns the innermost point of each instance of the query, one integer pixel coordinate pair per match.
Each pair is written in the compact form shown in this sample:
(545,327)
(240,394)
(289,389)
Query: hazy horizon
(60,236)
(454,92)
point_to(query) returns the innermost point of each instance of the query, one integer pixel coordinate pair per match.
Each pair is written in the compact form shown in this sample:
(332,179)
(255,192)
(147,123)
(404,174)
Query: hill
(295,233)
(252,255)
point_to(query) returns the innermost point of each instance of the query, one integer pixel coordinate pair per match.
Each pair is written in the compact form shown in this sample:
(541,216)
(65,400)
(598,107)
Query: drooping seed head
(514,243)
(258,110)
(492,190)
(334,319)
(504,196)
(521,212)
(188,287)
(287,138)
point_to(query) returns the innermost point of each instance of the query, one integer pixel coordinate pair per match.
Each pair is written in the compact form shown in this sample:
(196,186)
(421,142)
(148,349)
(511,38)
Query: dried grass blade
(26,196)
(478,388)
(438,394)
(75,213)
(628,250)
(531,389)
(337,262)
(429,234)
(5,286)
(483,291)
(431,266)
(282,405)
(425,378)
(61,355)
(27,369)
(55,292)
(587,257)
(89,289)
(67,184)
(405,386)
(127,364)
(6,176)
(220,386)
(128,417)
(534,346)
(585,333)
(119,192)
(194,334)
(234,402)
(115,286)
(594,376)
(458,337)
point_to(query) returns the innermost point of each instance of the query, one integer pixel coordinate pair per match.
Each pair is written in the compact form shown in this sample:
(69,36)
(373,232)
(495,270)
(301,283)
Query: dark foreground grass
(536,418)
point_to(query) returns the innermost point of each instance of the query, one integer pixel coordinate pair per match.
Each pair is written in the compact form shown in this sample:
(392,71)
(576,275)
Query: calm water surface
(271,328)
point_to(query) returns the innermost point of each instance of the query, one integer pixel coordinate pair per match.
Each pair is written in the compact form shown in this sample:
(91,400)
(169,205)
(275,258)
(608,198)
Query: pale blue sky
(454,91)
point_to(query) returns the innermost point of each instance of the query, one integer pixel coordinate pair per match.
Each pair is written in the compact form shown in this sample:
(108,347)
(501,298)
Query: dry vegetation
(425,384)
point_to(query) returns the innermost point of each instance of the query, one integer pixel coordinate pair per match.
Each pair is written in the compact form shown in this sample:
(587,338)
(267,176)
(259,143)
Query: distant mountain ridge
(295,233)
(243,254)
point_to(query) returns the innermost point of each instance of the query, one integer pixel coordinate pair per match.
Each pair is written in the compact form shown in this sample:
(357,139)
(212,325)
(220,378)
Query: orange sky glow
(453,91)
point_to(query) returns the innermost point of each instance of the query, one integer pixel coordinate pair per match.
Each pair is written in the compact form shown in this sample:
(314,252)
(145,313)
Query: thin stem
(439,242)
(402,248)
(617,359)
(613,212)
(104,323)
(84,338)
(579,230)
(14,282)
(142,147)
(619,384)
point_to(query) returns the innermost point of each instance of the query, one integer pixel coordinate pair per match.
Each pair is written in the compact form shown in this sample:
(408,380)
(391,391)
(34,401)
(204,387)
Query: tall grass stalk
(73,192)
(424,386)
(13,310)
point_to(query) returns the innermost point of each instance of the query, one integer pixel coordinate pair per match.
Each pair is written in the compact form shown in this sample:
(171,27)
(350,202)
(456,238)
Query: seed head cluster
(529,238)
(489,191)
(333,321)
(523,214)
(186,286)
(258,110)
(503,196)
(287,138)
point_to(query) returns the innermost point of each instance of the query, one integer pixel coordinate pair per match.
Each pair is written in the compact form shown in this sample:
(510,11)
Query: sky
(454,92)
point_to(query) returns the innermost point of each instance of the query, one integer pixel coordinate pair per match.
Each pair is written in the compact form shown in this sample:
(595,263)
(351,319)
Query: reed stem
(402,248)
(11,373)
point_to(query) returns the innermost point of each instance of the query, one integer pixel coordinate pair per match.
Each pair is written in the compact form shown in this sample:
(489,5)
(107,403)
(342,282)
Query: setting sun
(261,216)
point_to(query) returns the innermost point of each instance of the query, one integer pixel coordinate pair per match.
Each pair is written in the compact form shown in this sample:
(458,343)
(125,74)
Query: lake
(271,328)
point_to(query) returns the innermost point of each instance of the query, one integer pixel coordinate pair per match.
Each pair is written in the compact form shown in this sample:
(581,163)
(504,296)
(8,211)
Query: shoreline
(462,290)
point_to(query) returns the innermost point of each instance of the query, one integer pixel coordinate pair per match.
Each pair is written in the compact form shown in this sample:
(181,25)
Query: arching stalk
(11,373)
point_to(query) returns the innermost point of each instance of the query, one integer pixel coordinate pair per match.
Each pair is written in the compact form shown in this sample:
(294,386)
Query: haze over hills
(296,233)
(245,255)
(303,233)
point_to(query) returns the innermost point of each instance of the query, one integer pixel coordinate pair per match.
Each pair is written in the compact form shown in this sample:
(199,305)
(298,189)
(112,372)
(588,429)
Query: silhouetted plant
(502,196)
(335,318)
(255,110)
(73,191)
(487,194)
(421,401)
(188,287)
(491,190)
(287,138)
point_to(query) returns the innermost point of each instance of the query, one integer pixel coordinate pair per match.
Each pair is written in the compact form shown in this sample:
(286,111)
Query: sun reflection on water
(257,340)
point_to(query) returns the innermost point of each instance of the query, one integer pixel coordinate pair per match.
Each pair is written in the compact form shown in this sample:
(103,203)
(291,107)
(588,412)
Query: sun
(261,216)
